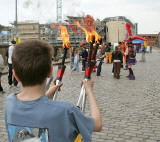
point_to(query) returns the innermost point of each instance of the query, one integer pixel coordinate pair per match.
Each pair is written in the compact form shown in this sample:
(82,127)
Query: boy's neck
(30,93)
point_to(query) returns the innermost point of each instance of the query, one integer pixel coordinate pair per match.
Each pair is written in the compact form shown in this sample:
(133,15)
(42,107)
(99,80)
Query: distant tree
(1,27)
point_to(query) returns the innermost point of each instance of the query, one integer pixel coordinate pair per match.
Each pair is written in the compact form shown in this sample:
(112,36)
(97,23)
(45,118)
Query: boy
(32,114)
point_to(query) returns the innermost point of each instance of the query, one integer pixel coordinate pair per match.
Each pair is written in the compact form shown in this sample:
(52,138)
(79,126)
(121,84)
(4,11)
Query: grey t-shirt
(45,120)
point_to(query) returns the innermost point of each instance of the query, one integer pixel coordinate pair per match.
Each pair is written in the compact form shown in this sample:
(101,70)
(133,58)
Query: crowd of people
(122,55)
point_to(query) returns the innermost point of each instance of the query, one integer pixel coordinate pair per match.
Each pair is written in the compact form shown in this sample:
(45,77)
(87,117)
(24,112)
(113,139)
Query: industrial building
(116,29)
(27,30)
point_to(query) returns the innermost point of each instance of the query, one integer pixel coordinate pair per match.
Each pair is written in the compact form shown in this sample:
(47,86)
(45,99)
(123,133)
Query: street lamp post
(16,18)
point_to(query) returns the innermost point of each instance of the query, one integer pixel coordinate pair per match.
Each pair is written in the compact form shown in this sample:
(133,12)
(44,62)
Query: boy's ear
(14,74)
(50,72)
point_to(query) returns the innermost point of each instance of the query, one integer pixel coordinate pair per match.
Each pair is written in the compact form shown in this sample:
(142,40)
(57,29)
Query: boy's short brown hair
(32,61)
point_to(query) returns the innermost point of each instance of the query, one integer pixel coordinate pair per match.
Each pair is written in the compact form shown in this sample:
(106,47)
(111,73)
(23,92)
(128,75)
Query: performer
(124,55)
(131,60)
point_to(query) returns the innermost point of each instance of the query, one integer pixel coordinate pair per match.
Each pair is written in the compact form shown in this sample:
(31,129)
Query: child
(76,61)
(32,114)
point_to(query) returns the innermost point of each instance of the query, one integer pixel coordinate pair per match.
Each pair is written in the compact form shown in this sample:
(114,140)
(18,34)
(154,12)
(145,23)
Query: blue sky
(144,12)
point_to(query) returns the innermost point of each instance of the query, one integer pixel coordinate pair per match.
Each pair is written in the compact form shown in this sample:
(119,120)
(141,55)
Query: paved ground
(130,109)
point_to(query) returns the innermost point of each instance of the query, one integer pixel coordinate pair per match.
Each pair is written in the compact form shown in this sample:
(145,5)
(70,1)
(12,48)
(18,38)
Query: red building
(151,38)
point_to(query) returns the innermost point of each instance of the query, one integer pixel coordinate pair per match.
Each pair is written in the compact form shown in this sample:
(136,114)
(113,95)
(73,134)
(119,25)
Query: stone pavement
(130,109)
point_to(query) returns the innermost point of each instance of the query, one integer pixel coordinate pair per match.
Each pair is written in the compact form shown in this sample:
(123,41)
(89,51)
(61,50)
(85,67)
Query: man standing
(10,51)
(84,55)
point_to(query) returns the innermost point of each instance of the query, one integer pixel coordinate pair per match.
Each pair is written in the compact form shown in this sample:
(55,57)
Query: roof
(136,37)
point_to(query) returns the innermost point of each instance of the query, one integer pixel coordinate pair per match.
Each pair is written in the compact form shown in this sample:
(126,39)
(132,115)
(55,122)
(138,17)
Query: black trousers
(83,64)
(1,88)
(11,79)
(99,68)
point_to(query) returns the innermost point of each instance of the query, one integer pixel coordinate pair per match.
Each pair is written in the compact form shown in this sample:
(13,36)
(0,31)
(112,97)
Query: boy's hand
(52,89)
(88,85)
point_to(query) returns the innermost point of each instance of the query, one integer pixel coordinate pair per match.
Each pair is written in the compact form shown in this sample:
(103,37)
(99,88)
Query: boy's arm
(52,89)
(95,113)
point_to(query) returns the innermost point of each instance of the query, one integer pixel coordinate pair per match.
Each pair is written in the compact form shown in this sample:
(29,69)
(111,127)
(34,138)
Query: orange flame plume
(90,34)
(65,36)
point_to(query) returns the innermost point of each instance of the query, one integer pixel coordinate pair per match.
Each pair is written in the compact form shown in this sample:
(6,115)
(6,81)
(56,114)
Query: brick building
(151,39)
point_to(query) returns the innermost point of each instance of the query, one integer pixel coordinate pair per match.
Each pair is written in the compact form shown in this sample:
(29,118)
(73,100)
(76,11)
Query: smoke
(39,10)
(27,4)
(45,10)
(72,7)
(30,3)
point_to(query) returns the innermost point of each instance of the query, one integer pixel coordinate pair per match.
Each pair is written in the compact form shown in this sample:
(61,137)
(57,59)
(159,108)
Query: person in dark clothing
(117,59)
(131,60)
(84,55)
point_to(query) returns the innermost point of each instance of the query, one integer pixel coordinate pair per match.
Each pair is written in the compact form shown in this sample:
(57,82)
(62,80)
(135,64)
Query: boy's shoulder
(43,101)
(60,104)
(10,96)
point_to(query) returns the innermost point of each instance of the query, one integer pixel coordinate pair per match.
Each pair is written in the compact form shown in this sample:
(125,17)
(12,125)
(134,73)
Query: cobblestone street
(130,109)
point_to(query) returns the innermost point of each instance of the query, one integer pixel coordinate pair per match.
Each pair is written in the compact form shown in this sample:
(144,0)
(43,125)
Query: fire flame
(90,34)
(98,38)
(65,36)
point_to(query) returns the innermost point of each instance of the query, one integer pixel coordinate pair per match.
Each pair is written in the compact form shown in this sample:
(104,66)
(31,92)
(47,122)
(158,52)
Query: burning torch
(92,38)
(66,44)
(61,67)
